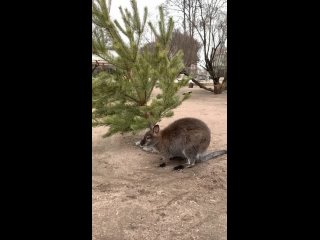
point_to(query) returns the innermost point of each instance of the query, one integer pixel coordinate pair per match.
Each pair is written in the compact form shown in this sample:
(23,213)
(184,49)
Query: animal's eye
(148,137)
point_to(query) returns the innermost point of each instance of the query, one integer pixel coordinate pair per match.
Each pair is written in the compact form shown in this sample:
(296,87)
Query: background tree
(122,100)
(188,45)
(181,42)
(209,20)
(211,28)
(186,10)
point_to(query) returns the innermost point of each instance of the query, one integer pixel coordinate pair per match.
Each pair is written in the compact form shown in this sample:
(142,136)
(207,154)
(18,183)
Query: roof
(96,58)
(99,60)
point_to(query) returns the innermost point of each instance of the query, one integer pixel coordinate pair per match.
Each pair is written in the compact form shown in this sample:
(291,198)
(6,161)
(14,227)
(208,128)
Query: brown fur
(187,137)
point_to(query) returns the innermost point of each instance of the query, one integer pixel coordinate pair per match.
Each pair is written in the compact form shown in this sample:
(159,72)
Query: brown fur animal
(186,138)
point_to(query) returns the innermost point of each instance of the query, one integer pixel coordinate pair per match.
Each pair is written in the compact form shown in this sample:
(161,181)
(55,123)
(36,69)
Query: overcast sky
(153,12)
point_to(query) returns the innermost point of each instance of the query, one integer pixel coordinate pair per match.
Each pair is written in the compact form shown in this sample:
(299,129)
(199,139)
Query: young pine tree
(122,99)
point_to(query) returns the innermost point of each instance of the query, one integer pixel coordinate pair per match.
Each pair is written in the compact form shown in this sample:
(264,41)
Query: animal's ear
(156,129)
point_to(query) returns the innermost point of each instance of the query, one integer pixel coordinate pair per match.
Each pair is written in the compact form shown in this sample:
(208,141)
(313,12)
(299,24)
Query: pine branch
(121,99)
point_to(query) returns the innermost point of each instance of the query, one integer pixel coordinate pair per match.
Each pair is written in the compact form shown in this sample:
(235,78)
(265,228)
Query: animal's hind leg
(165,160)
(191,157)
(190,162)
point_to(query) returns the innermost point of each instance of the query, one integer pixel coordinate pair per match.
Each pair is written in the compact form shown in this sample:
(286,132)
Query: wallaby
(188,138)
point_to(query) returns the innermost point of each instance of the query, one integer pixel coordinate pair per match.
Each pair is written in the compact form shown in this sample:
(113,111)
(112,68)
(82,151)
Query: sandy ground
(135,199)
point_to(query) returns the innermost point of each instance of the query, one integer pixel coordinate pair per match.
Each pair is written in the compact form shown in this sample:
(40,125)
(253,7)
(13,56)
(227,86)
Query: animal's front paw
(162,165)
(179,167)
(153,150)
(147,149)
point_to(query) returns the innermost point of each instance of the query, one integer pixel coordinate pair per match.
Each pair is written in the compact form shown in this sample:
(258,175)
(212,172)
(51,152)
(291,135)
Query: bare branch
(201,85)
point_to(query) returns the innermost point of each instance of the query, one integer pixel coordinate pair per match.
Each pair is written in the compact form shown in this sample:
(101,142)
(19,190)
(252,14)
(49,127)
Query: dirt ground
(135,199)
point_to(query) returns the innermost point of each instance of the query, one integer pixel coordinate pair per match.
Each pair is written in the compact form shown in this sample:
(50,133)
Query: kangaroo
(186,138)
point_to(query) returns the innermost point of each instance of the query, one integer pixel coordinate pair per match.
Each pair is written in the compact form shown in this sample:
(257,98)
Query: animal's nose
(142,142)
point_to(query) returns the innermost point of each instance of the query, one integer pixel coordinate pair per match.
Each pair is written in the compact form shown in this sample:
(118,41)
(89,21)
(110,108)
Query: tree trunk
(215,80)
(184,17)
(224,83)
(217,88)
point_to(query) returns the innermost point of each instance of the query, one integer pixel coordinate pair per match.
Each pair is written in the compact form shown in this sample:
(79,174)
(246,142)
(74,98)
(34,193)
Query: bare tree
(211,28)
(184,16)
(189,45)
(208,19)
(187,9)
(180,41)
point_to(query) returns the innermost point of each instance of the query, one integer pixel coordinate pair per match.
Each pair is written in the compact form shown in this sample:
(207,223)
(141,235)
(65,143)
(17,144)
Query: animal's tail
(212,155)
